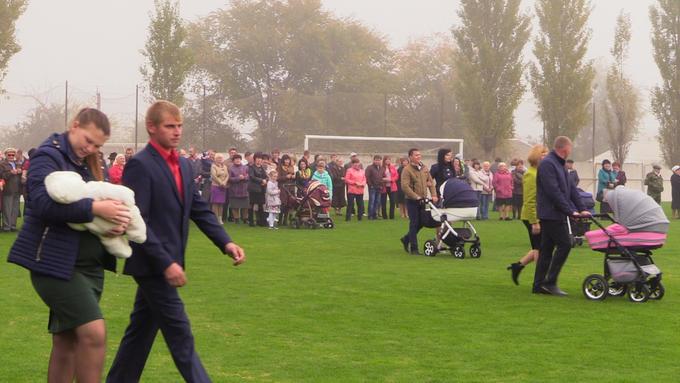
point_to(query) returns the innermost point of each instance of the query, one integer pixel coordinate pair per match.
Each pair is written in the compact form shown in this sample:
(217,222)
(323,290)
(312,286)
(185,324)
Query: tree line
(287,68)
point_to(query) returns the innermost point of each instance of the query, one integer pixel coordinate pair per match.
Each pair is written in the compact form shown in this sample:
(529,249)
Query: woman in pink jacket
(502,185)
(355,178)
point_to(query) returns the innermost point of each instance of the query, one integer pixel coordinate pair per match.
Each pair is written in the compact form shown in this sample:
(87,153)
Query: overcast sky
(94,44)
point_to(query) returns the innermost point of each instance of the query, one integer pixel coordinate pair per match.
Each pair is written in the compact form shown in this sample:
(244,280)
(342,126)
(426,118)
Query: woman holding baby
(67,266)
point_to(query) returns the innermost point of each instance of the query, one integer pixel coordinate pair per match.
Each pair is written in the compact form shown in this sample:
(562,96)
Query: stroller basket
(622,270)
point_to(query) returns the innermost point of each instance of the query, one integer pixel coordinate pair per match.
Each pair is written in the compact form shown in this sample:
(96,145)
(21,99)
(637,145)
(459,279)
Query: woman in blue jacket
(67,266)
(606,179)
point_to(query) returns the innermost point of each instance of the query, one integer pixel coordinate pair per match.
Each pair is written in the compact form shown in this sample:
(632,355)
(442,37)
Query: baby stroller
(579,227)
(311,210)
(459,204)
(639,228)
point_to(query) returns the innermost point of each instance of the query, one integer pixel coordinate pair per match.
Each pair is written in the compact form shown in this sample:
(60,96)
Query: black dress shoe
(539,291)
(404,241)
(516,269)
(553,290)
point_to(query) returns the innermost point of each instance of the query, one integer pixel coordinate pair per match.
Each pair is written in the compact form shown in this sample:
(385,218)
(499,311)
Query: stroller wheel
(579,241)
(430,248)
(458,251)
(595,287)
(475,251)
(617,289)
(311,223)
(656,290)
(638,293)
(329,224)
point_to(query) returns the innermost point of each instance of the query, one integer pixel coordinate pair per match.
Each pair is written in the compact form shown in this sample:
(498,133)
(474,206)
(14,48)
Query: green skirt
(75,302)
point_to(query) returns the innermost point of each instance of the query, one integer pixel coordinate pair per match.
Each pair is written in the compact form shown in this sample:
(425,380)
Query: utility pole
(99,100)
(66,105)
(593,147)
(136,114)
(204,119)
(385,115)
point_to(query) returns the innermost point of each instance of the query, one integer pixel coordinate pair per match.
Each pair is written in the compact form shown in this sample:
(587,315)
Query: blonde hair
(535,154)
(118,157)
(154,115)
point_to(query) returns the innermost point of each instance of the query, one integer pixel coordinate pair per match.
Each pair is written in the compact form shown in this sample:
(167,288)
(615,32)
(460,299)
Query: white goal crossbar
(364,138)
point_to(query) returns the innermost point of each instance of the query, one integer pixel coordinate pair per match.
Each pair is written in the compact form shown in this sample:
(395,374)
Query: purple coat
(238,188)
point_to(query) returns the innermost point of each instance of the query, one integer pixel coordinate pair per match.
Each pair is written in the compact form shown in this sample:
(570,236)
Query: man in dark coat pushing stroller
(557,198)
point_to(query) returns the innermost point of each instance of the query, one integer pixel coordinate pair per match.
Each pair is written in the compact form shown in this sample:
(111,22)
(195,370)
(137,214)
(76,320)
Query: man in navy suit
(167,198)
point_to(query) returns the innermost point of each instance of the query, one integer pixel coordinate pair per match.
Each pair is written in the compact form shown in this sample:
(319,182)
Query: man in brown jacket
(416,181)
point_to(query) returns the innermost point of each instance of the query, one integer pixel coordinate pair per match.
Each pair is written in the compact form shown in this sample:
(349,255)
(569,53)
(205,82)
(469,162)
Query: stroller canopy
(456,193)
(636,210)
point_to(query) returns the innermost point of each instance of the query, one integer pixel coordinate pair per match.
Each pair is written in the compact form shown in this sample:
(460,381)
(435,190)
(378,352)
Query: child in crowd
(273,200)
(323,176)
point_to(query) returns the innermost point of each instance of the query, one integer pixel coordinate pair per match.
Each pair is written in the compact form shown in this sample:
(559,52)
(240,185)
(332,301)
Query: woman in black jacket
(443,169)
(257,183)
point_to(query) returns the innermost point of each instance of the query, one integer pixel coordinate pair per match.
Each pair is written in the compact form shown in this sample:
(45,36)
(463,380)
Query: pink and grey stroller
(640,226)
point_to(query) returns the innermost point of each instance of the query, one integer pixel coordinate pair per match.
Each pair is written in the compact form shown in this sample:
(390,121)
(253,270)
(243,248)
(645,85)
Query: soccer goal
(458,141)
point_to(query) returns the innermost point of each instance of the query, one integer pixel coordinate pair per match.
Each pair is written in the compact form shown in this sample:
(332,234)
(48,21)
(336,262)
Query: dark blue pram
(579,228)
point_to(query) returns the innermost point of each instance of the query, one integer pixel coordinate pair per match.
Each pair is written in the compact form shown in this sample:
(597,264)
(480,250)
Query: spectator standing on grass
(477,183)
(257,185)
(67,266)
(219,177)
(486,179)
(573,174)
(355,178)
(528,213)
(273,200)
(459,170)
(675,191)
(116,170)
(207,160)
(389,188)
(302,176)
(286,174)
(443,169)
(238,189)
(416,182)
(518,189)
(129,152)
(167,198)
(322,175)
(606,180)
(337,171)
(502,185)
(557,199)
(401,200)
(10,171)
(654,183)
(374,180)
(195,163)
(621,178)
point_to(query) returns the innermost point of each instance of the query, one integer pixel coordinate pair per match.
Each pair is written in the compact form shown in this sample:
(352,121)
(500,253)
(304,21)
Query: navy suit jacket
(166,216)
(556,195)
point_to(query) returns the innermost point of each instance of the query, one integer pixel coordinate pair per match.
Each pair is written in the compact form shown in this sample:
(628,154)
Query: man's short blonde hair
(154,115)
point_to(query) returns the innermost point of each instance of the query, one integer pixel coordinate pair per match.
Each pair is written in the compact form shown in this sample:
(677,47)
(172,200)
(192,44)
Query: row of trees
(287,68)
(290,67)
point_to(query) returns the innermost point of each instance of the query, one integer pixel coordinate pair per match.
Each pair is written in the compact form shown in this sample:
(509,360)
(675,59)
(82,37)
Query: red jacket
(394,177)
(116,174)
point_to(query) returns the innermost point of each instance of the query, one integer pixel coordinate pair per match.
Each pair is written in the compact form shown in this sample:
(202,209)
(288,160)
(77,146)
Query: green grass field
(349,305)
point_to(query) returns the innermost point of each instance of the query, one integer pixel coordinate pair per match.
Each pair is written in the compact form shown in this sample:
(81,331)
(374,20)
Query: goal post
(308,137)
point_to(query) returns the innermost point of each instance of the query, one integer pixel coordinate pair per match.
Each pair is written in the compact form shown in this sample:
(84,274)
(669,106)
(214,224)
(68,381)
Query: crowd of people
(257,188)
